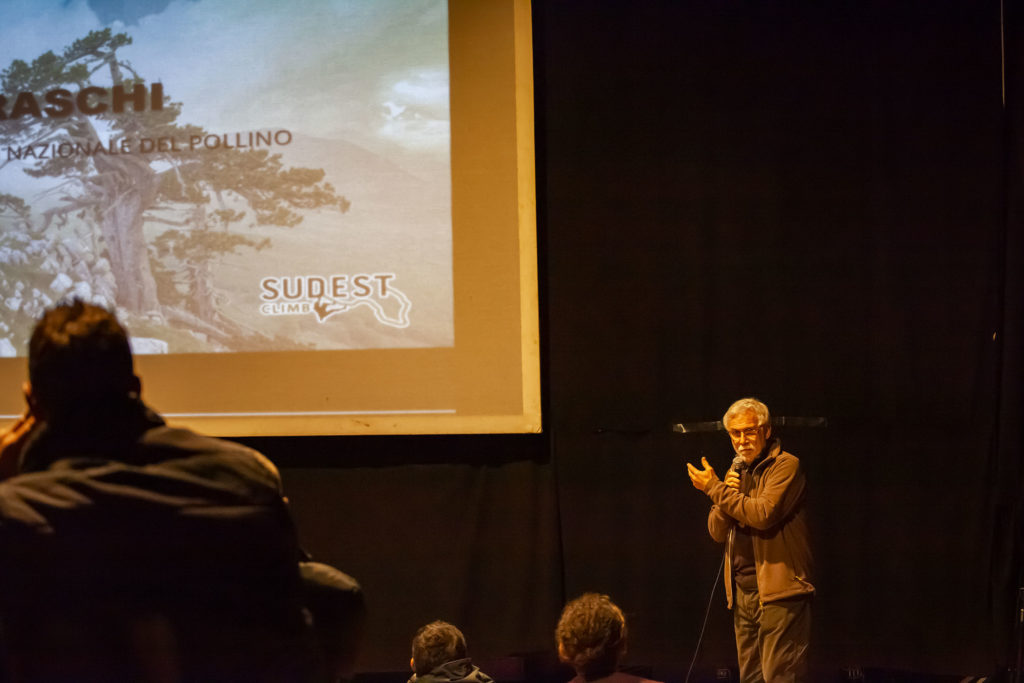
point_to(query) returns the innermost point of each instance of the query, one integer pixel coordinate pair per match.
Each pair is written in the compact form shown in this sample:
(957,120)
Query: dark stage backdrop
(814,203)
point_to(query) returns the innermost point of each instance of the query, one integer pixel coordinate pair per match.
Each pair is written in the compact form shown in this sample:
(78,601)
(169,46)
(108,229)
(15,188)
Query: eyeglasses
(739,433)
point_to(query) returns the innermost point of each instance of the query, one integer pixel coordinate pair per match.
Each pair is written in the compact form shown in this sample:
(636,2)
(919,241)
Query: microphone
(739,465)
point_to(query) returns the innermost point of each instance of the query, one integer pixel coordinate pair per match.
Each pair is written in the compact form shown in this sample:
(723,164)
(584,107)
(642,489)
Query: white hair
(744,406)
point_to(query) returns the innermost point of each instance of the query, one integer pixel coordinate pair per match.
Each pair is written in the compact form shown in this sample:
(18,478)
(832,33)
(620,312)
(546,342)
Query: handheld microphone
(739,464)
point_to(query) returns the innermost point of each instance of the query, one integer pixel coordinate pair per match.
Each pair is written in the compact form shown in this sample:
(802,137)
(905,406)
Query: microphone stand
(1018,638)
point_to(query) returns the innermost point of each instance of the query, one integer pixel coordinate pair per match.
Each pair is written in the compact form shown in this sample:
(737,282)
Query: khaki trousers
(772,639)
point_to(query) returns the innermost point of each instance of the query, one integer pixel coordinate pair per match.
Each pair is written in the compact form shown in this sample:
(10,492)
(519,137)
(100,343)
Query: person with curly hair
(591,637)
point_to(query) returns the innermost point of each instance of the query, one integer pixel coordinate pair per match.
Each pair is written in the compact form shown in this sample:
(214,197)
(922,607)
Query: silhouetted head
(591,634)
(435,644)
(79,361)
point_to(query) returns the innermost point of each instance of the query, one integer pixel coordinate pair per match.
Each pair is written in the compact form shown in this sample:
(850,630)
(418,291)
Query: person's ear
(412,663)
(767,431)
(30,400)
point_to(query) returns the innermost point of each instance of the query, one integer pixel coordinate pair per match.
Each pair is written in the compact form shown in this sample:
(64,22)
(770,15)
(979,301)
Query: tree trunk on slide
(121,226)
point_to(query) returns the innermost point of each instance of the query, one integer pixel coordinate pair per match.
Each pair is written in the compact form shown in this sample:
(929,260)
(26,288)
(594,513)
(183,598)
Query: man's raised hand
(701,478)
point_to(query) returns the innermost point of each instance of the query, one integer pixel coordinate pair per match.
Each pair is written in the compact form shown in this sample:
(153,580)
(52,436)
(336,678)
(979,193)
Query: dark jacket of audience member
(148,520)
(135,551)
(459,671)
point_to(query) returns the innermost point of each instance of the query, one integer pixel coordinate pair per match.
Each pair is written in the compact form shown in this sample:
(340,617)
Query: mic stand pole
(1018,638)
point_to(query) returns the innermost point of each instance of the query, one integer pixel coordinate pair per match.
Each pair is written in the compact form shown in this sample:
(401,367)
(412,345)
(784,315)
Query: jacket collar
(768,455)
(110,434)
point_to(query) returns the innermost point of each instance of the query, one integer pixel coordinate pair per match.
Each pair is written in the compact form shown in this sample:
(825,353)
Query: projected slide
(232,176)
(314,216)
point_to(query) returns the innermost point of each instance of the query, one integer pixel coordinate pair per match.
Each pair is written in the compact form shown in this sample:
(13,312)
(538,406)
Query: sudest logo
(324,296)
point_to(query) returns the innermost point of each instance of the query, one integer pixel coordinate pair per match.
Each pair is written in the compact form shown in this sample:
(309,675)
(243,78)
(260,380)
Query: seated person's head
(435,644)
(79,360)
(591,634)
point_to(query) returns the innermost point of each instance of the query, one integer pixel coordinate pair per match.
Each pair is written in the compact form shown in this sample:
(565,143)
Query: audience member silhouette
(591,637)
(134,551)
(439,656)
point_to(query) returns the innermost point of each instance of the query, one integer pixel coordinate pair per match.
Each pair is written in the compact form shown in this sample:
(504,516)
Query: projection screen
(314,217)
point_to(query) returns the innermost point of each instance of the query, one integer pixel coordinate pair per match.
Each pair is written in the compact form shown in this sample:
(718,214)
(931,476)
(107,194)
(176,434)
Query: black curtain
(459,528)
(815,203)
(802,202)
(1006,469)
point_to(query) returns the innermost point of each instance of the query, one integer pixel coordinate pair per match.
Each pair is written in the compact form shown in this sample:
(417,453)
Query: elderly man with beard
(759,513)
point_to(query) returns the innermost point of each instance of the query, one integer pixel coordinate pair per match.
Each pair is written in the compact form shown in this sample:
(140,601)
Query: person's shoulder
(786,456)
(618,677)
(188,442)
(777,454)
(630,678)
(784,460)
(785,465)
(179,442)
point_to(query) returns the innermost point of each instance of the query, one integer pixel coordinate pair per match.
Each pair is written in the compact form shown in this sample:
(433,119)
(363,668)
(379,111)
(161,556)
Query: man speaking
(758,512)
